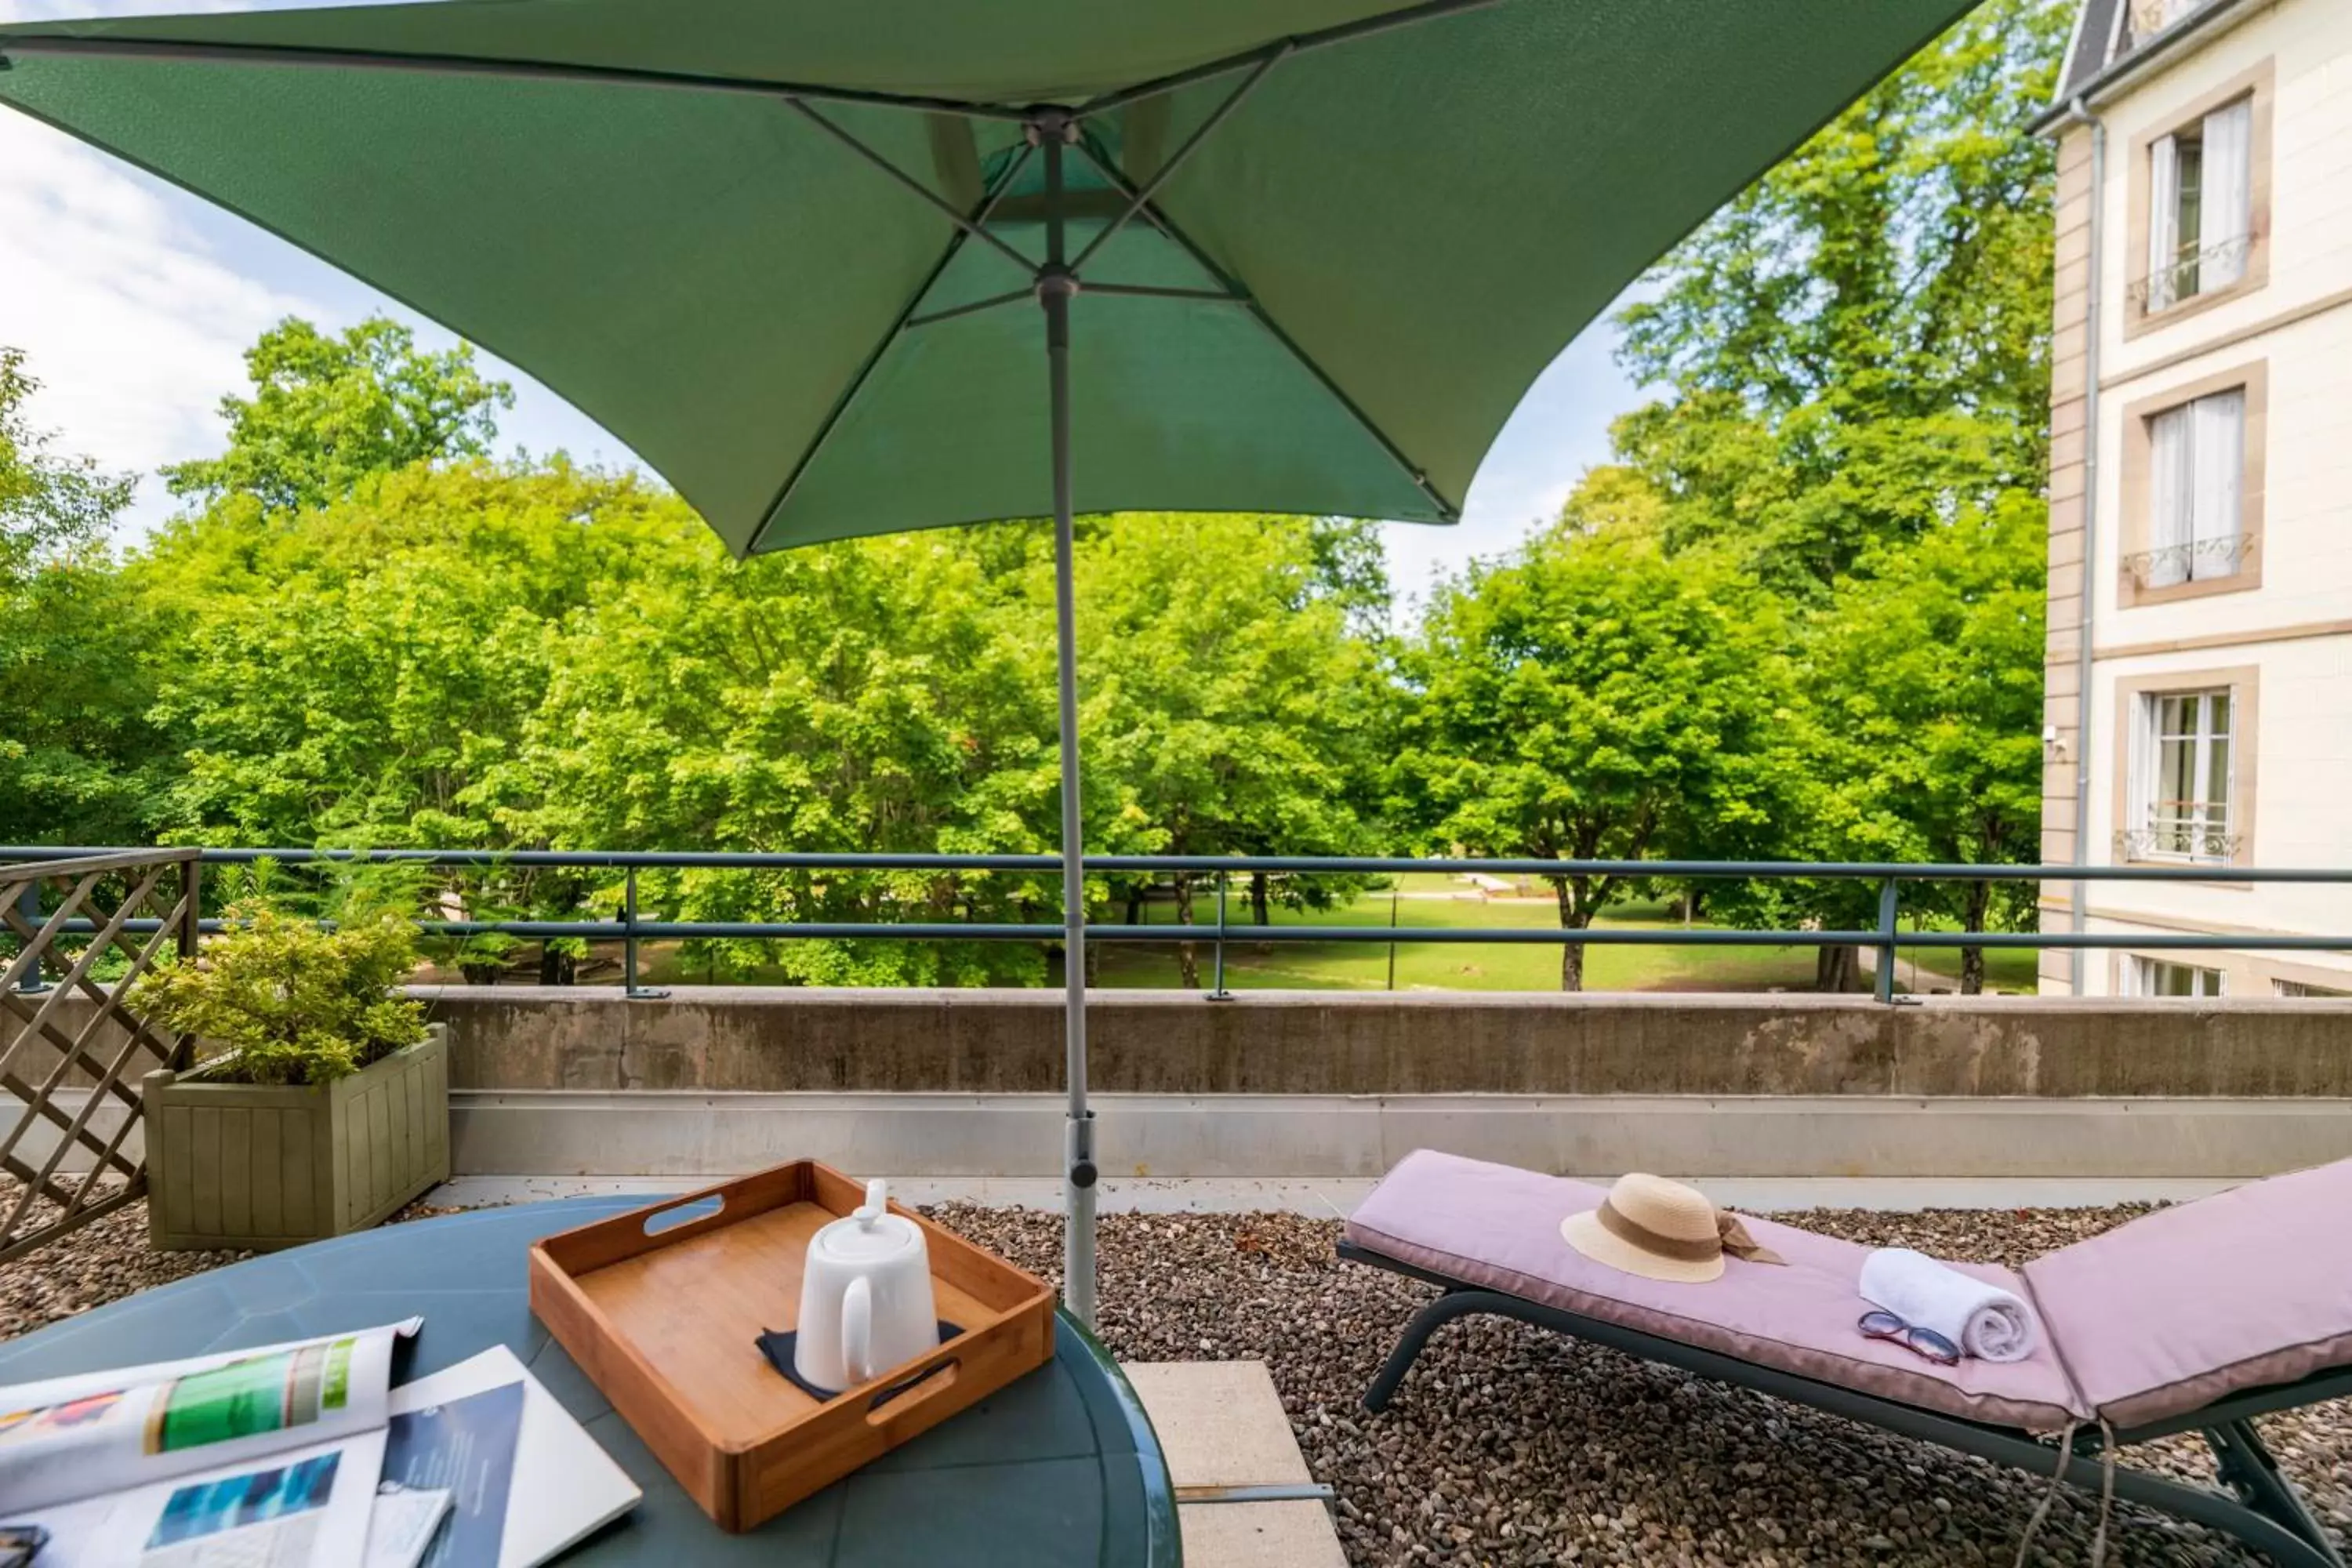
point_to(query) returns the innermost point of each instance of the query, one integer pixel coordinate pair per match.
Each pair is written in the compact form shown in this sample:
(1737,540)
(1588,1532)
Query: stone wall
(1155,1042)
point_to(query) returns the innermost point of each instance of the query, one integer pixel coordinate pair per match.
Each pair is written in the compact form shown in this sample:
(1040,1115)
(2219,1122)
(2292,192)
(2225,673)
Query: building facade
(2198,686)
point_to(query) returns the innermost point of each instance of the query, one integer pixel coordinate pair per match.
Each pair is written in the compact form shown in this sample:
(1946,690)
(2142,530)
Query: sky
(133,302)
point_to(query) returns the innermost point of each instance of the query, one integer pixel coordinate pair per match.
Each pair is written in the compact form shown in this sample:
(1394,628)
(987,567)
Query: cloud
(130,321)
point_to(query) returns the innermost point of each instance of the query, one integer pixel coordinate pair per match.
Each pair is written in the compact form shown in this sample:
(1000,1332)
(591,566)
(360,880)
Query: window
(2304,988)
(2194,476)
(2196,487)
(2181,780)
(2155,977)
(2200,209)
(2149,17)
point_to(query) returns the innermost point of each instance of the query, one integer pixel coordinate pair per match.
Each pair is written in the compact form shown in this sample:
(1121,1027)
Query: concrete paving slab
(1258,1535)
(1219,1423)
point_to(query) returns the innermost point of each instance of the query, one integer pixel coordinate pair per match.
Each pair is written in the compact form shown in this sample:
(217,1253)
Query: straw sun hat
(1661,1230)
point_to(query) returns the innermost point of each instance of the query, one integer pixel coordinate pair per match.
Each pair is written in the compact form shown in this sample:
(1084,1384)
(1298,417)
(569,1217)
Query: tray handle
(678,1229)
(922,1383)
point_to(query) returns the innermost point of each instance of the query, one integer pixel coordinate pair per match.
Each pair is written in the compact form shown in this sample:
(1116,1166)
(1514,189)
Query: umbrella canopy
(1294,255)
(1414,219)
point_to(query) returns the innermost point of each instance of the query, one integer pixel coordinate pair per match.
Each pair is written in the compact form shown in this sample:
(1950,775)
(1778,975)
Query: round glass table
(1058,1471)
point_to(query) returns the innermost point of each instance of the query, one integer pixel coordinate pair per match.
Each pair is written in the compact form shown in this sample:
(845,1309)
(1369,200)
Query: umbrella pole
(1055,284)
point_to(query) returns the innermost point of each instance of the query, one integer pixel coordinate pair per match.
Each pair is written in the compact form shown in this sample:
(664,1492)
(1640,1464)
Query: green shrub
(281,1000)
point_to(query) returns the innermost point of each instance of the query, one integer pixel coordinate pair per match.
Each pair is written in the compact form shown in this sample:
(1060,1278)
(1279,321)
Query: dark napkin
(776,1344)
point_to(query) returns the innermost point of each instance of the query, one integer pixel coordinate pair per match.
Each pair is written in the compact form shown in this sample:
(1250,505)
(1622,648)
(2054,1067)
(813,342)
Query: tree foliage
(1857,346)
(327,412)
(1855,362)
(80,761)
(1798,616)
(1587,699)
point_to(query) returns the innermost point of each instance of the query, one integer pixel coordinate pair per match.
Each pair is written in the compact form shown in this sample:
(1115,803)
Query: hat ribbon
(1730,1237)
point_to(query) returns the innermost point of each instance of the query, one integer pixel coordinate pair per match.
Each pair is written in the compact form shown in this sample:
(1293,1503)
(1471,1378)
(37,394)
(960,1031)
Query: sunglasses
(1919,1341)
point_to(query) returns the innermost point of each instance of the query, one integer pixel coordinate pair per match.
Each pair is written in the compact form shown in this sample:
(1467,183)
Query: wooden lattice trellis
(141,905)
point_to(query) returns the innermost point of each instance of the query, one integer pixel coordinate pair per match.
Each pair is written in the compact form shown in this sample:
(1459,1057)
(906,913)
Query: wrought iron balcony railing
(2203,842)
(2195,272)
(2199,561)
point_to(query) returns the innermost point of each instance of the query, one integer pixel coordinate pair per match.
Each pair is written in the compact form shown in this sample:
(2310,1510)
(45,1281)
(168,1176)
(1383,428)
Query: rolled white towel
(1984,1320)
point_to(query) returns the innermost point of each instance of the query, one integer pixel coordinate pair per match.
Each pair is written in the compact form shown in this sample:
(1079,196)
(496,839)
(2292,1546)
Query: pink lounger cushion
(2189,1305)
(1498,1227)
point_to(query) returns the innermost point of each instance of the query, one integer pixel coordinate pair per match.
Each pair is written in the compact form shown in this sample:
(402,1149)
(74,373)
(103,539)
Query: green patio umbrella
(1293,255)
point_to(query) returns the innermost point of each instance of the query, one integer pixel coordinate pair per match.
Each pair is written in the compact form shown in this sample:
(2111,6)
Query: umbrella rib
(472,65)
(947,208)
(865,372)
(1166,170)
(974,309)
(1240,294)
(1346,32)
(1139,292)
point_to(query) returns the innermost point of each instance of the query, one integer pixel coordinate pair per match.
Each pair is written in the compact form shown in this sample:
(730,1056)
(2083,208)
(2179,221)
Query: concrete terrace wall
(556,1082)
(1314,1043)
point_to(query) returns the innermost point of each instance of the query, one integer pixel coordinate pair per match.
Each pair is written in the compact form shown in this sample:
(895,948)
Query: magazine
(268,1458)
(301,1456)
(527,1480)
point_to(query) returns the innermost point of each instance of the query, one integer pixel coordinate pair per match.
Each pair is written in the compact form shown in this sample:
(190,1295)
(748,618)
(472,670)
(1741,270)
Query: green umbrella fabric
(1403,225)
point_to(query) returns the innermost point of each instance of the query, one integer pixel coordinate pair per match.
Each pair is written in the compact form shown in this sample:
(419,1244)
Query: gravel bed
(1509,1445)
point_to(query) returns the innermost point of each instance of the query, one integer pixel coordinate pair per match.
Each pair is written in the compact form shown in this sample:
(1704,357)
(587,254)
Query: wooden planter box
(244,1165)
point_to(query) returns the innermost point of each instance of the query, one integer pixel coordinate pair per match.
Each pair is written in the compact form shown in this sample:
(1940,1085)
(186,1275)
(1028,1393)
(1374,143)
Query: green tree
(1929,680)
(1854,357)
(870,696)
(1590,698)
(1229,707)
(357,671)
(357,676)
(80,762)
(327,412)
(1858,344)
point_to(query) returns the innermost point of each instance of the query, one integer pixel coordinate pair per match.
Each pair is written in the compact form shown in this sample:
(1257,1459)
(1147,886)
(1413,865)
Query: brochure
(267,1456)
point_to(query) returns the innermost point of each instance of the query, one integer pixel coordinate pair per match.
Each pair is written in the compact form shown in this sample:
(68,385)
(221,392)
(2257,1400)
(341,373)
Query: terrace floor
(1506,1446)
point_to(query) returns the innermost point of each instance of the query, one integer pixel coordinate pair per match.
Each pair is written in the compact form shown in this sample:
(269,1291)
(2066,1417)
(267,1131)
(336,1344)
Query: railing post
(630,988)
(1887,901)
(28,907)
(1221,993)
(1395,893)
(191,920)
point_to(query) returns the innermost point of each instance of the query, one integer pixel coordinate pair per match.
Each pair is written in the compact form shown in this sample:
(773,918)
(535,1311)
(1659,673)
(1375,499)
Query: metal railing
(2199,560)
(630,927)
(113,898)
(2185,277)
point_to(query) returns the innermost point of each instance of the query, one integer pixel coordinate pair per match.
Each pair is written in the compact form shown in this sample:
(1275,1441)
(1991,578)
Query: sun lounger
(2198,1318)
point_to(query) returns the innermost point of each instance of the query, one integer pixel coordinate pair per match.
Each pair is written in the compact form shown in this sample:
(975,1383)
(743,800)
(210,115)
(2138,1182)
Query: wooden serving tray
(667,1322)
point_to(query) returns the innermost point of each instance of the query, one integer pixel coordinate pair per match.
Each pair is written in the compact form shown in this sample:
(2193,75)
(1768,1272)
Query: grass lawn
(1434,898)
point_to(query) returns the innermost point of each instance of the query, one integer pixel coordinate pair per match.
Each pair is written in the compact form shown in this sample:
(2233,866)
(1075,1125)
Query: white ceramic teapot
(865,1297)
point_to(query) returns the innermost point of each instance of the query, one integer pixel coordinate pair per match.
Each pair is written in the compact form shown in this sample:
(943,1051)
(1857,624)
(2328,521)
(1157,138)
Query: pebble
(1511,1448)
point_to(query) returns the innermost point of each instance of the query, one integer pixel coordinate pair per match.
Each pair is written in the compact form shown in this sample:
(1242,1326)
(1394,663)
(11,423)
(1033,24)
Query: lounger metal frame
(2261,1508)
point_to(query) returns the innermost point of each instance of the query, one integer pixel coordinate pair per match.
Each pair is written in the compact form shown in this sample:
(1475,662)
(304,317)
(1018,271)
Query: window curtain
(2229,194)
(2163,219)
(2217,456)
(2134,977)
(2139,779)
(2171,494)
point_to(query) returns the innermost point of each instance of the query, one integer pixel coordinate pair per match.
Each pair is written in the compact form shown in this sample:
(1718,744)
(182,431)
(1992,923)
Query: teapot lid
(870,1233)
